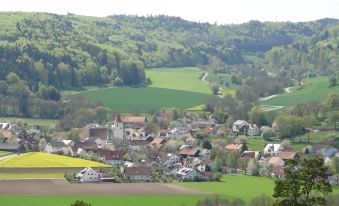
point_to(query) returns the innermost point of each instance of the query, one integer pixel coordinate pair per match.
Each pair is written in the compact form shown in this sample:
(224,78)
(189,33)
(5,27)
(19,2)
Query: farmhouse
(135,122)
(189,174)
(110,157)
(138,173)
(88,175)
(56,147)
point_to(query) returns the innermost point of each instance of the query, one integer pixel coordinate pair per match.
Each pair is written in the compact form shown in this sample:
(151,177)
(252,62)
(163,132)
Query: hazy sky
(220,11)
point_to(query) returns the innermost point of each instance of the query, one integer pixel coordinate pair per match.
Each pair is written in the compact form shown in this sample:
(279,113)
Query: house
(106,177)
(240,126)
(189,152)
(158,141)
(110,157)
(203,123)
(138,173)
(174,134)
(288,155)
(278,172)
(10,147)
(56,147)
(251,154)
(88,175)
(253,130)
(168,159)
(327,151)
(190,174)
(235,147)
(135,122)
(272,149)
(136,145)
(87,146)
(276,161)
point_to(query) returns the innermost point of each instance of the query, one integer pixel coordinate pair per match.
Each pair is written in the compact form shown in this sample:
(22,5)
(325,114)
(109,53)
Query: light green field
(184,79)
(315,89)
(131,200)
(30,175)
(235,186)
(126,99)
(42,122)
(45,160)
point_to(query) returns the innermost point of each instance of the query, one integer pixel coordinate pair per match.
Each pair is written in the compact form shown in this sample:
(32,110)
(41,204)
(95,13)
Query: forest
(41,53)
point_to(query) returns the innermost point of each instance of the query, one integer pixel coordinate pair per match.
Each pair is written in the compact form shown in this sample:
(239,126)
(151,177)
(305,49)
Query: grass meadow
(45,160)
(42,122)
(315,89)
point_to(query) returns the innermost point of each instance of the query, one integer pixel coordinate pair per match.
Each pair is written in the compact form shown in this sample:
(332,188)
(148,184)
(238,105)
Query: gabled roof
(274,160)
(57,144)
(279,170)
(234,146)
(185,171)
(249,154)
(287,155)
(137,171)
(110,155)
(87,145)
(158,141)
(98,133)
(191,152)
(133,119)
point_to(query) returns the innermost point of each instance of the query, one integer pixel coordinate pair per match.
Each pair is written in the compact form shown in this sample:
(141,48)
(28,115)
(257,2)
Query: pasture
(235,186)
(183,79)
(314,89)
(45,160)
(126,99)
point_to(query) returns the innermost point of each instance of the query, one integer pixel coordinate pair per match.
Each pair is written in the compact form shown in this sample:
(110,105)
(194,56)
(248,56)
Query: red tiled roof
(234,146)
(191,152)
(285,155)
(249,154)
(110,155)
(158,141)
(137,170)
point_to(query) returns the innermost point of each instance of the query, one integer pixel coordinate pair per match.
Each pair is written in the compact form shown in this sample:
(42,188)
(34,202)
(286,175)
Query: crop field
(42,122)
(45,160)
(315,89)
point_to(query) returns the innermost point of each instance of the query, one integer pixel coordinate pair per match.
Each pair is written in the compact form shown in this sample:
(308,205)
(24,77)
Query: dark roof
(87,145)
(57,144)
(98,133)
(110,155)
(138,142)
(9,146)
(137,170)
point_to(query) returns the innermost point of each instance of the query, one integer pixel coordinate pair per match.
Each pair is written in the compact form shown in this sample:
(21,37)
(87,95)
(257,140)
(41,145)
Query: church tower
(117,128)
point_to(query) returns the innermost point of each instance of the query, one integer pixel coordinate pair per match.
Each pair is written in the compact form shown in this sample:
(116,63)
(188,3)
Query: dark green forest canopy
(72,51)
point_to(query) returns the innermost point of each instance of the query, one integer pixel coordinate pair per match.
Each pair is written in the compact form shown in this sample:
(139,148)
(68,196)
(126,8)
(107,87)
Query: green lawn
(30,175)
(315,89)
(42,122)
(146,200)
(184,79)
(235,186)
(40,159)
(126,99)
(3,153)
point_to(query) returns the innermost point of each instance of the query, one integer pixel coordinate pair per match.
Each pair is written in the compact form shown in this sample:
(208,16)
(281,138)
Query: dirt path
(62,187)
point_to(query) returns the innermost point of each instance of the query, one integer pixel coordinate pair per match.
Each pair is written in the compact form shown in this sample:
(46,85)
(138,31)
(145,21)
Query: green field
(315,89)
(30,175)
(3,153)
(184,79)
(44,160)
(130,200)
(42,122)
(235,186)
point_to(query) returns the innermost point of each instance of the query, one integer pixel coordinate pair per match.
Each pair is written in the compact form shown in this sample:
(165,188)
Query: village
(190,148)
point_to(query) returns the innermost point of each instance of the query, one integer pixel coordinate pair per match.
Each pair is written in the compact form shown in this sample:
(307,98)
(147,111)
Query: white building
(88,175)
(116,129)
(138,173)
(174,134)
(273,149)
(189,174)
(253,130)
(240,126)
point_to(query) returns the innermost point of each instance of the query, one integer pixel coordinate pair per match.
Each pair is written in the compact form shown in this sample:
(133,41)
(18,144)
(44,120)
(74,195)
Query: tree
(335,166)
(73,135)
(206,144)
(332,81)
(253,167)
(217,163)
(242,163)
(333,118)
(257,116)
(304,183)
(215,89)
(80,203)
(12,78)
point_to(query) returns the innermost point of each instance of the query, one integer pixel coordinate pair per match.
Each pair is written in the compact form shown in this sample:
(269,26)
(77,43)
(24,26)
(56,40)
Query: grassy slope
(315,89)
(43,122)
(244,187)
(185,79)
(39,159)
